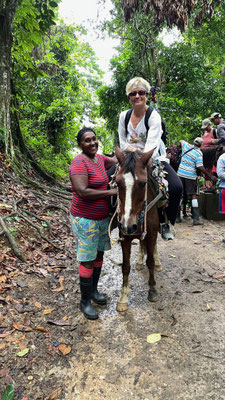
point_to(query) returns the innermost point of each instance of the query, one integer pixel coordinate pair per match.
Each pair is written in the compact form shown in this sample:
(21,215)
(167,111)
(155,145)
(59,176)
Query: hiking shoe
(165,232)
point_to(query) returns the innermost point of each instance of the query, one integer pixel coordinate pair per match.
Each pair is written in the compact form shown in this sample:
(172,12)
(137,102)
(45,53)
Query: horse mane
(130,161)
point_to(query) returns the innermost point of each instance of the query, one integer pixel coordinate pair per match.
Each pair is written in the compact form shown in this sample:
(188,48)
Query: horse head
(131,180)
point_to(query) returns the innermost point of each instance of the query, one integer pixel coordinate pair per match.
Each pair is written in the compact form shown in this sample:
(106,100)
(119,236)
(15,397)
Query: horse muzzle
(128,230)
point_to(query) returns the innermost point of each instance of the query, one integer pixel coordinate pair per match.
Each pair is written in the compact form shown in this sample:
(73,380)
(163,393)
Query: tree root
(12,241)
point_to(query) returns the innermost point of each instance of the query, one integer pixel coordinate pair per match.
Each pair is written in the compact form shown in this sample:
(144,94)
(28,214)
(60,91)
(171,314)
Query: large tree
(37,16)
(7,14)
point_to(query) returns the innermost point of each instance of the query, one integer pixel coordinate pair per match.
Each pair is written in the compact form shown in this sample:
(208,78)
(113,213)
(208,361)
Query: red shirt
(98,180)
(207,137)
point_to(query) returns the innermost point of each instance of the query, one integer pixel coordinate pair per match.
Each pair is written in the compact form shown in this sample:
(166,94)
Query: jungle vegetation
(51,84)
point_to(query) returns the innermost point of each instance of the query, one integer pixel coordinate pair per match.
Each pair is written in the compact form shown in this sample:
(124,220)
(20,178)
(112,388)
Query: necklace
(93,160)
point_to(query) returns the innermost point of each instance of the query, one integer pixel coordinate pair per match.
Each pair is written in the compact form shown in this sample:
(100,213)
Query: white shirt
(138,137)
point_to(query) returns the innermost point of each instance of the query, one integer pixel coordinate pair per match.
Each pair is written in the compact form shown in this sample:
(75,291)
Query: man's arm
(220,134)
(213,178)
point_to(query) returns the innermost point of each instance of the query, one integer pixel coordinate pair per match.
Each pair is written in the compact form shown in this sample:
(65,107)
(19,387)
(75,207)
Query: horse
(134,190)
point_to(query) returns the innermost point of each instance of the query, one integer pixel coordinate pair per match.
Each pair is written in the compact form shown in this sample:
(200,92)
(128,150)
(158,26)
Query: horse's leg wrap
(158,265)
(122,304)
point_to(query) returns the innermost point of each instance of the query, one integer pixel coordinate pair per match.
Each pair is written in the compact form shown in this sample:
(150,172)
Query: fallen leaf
(208,308)
(48,311)
(38,305)
(2,346)
(2,335)
(54,394)
(172,255)
(64,349)
(39,328)
(154,337)
(23,352)
(60,322)
(9,393)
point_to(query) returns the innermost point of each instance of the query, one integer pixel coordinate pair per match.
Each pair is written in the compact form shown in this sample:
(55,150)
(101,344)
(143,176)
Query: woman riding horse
(135,138)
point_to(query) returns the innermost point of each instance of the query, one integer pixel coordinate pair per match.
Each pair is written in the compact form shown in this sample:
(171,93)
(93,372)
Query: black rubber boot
(178,218)
(195,214)
(85,304)
(95,295)
(165,232)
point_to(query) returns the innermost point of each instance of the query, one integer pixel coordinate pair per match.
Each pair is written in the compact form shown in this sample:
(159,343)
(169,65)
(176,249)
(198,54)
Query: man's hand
(213,179)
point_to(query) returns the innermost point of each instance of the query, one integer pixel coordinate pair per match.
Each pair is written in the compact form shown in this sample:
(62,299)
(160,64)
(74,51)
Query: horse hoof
(121,307)
(152,295)
(158,268)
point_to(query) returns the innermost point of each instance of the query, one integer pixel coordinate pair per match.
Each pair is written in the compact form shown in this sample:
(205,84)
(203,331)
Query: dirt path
(111,357)
(71,358)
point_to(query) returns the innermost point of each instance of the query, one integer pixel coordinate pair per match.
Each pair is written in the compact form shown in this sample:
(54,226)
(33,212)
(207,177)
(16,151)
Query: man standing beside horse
(191,161)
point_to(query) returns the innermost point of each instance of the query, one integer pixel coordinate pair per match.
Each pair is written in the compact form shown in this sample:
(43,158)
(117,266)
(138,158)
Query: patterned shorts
(91,236)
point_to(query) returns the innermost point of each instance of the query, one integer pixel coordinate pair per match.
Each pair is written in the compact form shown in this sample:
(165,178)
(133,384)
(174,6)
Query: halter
(142,217)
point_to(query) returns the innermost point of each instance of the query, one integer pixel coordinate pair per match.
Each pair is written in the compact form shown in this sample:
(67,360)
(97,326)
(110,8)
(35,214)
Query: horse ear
(146,157)
(120,155)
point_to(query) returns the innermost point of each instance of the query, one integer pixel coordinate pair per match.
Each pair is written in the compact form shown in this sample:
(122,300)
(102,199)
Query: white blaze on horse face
(129,183)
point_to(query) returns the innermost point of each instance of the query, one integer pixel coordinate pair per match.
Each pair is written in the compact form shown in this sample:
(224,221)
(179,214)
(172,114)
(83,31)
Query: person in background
(89,215)
(136,138)
(192,160)
(221,176)
(208,136)
(216,118)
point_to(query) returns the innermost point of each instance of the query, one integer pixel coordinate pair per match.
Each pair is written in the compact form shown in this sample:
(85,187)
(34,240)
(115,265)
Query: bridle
(142,217)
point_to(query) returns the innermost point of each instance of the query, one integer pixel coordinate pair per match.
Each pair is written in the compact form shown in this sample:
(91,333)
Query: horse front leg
(150,246)
(122,304)
(158,265)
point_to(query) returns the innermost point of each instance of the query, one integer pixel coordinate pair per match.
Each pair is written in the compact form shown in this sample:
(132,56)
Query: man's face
(216,121)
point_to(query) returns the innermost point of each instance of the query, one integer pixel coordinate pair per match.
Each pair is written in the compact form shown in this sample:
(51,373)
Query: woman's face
(209,127)
(138,97)
(89,144)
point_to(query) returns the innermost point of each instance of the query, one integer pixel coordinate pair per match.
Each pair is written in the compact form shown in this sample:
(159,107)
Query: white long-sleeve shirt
(220,170)
(138,137)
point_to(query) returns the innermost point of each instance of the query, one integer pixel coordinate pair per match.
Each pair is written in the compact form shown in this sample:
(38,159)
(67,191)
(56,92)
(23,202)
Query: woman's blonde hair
(135,83)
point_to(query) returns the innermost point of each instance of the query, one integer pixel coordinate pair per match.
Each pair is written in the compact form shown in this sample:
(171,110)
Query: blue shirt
(190,161)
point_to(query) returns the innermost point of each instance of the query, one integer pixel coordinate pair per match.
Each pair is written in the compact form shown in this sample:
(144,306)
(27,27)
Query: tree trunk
(7,13)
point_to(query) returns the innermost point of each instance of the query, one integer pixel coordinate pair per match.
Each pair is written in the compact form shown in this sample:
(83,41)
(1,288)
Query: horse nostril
(135,227)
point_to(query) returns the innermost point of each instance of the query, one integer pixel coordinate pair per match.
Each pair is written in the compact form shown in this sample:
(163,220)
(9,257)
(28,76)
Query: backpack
(175,155)
(147,116)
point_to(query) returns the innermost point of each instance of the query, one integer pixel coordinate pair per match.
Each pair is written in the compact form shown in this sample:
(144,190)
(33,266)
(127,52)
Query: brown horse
(134,191)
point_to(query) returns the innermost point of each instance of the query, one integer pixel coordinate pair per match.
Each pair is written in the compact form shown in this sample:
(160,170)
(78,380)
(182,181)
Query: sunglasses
(139,92)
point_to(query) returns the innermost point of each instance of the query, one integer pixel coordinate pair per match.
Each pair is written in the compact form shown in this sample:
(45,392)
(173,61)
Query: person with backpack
(140,130)
(191,161)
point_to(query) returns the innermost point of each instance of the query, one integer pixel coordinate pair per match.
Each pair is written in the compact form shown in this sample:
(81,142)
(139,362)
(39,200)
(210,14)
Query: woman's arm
(154,132)
(122,134)
(111,161)
(80,185)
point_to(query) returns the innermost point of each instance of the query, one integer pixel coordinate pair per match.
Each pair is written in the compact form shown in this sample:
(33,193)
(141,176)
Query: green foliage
(54,100)
(9,393)
(188,71)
